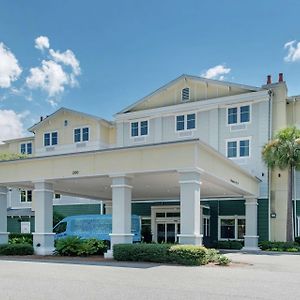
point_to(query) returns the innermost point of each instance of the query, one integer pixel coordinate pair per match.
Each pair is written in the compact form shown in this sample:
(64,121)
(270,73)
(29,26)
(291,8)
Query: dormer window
(50,138)
(139,128)
(185,94)
(81,134)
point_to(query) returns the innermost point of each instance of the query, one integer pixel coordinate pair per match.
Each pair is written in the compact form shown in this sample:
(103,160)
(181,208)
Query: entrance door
(167,232)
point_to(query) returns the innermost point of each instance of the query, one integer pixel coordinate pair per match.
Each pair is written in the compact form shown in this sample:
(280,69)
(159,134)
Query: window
(57,196)
(238,148)
(206,226)
(185,94)
(232,115)
(60,228)
(26,148)
(139,128)
(238,115)
(185,122)
(51,139)
(232,228)
(26,196)
(81,134)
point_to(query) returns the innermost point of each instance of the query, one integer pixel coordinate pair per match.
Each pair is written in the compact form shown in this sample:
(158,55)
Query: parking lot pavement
(249,277)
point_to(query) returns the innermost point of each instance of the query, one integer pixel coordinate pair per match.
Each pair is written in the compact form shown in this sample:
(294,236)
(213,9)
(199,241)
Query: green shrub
(278,246)
(213,255)
(188,255)
(16,249)
(223,260)
(237,245)
(74,246)
(161,253)
(68,246)
(20,238)
(92,247)
(142,252)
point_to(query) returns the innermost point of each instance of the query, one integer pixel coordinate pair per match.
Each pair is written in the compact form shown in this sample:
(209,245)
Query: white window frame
(236,218)
(182,100)
(26,147)
(81,134)
(185,122)
(26,196)
(238,106)
(206,233)
(139,121)
(51,132)
(238,140)
(298,221)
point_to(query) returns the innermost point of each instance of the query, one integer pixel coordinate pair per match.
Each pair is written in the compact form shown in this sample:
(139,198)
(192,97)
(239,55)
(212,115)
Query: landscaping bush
(68,246)
(223,260)
(213,255)
(92,247)
(237,245)
(74,246)
(279,246)
(189,255)
(164,253)
(142,252)
(20,238)
(16,249)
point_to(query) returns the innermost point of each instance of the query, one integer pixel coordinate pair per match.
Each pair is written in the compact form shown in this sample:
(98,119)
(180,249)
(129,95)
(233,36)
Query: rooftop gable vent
(185,94)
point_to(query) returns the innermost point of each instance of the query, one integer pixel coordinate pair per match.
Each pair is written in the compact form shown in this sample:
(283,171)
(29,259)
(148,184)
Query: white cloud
(216,72)
(9,67)
(42,42)
(50,77)
(11,125)
(68,58)
(52,102)
(293,51)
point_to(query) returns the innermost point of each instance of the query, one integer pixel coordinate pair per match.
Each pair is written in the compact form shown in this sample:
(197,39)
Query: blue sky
(105,55)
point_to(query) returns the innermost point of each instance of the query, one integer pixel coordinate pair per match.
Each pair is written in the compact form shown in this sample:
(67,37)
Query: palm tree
(283,152)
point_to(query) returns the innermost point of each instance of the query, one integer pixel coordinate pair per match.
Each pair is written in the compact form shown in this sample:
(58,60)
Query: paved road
(256,277)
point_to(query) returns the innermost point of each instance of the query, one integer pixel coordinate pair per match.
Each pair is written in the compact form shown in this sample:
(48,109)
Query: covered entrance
(140,173)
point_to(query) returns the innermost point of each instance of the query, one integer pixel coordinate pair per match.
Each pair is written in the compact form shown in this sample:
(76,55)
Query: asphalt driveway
(250,277)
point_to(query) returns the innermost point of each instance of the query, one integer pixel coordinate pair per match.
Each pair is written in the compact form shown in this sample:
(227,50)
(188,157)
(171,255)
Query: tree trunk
(289,220)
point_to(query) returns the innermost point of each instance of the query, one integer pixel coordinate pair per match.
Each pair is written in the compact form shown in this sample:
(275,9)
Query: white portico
(186,170)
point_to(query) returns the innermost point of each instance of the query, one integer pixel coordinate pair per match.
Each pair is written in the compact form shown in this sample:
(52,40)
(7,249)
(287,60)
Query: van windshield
(61,227)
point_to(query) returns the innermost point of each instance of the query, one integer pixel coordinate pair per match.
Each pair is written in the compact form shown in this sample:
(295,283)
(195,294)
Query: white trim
(202,105)
(26,196)
(43,190)
(298,219)
(26,147)
(235,218)
(190,181)
(238,140)
(121,186)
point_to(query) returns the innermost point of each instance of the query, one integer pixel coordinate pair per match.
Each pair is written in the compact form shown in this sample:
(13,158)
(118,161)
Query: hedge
(142,252)
(237,245)
(20,238)
(74,246)
(16,249)
(280,246)
(162,253)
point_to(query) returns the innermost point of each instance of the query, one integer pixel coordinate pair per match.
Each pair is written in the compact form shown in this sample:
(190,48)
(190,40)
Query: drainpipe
(296,233)
(269,170)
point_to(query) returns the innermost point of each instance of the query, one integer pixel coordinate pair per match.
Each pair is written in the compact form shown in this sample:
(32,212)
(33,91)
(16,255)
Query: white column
(3,215)
(43,237)
(121,212)
(190,208)
(251,237)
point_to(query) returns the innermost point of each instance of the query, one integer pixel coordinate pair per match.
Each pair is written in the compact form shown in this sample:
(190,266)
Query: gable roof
(192,77)
(64,109)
